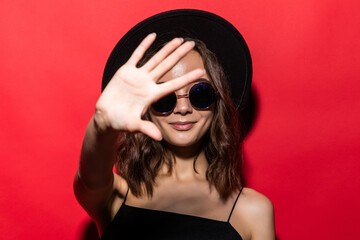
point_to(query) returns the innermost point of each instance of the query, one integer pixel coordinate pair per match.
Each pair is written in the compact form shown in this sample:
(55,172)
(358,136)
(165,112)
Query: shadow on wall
(248,116)
(249,112)
(90,231)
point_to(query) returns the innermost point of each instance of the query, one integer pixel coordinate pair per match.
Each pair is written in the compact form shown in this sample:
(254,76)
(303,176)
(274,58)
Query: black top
(140,223)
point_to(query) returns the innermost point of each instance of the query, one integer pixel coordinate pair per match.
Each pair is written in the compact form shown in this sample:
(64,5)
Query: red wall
(302,152)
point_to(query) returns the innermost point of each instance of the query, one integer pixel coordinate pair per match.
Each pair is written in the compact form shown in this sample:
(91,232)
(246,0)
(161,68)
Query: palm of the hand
(132,90)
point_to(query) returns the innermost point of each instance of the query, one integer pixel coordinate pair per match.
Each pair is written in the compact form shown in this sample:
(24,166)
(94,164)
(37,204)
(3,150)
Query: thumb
(150,129)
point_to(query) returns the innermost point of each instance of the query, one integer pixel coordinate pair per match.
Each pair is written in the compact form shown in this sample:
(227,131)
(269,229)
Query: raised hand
(132,90)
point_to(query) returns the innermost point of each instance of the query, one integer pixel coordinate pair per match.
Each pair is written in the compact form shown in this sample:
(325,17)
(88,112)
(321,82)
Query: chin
(180,141)
(184,138)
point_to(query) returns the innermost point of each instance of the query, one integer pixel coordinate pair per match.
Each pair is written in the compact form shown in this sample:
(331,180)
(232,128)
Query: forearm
(98,153)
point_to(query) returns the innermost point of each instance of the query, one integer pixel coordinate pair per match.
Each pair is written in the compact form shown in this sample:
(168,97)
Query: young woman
(167,119)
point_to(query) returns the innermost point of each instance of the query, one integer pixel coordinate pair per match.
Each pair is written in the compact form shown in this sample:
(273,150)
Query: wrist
(101,123)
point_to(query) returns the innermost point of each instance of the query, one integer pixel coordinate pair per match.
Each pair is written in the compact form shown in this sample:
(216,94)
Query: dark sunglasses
(201,96)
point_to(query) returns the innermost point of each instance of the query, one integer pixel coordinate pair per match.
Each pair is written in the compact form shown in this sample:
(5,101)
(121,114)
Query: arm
(94,182)
(263,224)
(253,216)
(120,108)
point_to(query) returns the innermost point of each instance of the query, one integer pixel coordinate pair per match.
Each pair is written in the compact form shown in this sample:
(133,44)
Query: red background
(302,152)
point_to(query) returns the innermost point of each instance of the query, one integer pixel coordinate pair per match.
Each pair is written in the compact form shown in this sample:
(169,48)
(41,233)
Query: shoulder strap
(234,204)
(126,195)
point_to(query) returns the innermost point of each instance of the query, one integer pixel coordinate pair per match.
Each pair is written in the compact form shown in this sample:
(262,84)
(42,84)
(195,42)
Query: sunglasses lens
(202,95)
(165,104)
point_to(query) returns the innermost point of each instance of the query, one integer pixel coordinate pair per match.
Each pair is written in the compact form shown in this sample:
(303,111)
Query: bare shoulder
(253,216)
(254,204)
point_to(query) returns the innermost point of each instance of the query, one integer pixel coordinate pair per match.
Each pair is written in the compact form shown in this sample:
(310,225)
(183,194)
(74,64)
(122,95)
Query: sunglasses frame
(188,96)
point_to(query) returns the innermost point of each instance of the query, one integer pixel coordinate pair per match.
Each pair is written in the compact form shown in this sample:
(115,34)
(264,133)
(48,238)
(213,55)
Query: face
(184,126)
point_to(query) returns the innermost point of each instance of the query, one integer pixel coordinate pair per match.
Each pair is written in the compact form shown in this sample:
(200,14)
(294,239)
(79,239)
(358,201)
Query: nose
(183,105)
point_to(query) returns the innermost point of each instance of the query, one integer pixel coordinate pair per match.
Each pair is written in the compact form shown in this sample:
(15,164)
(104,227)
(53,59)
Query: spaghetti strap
(234,204)
(126,195)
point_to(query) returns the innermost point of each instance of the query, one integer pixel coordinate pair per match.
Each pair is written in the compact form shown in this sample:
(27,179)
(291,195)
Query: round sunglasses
(201,96)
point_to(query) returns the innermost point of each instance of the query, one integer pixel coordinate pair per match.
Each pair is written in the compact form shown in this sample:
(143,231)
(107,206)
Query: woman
(167,120)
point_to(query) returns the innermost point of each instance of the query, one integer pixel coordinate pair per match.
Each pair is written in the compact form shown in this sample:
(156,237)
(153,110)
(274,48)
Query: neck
(183,164)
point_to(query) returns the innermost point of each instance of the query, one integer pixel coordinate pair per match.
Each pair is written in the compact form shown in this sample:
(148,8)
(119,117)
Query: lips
(182,126)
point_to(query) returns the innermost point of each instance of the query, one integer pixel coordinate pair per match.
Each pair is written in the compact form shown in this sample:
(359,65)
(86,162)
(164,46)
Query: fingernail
(193,43)
(181,39)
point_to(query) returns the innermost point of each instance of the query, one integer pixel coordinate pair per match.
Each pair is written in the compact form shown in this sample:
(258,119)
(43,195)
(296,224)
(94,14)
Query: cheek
(157,120)
(153,118)
(209,116)
(206,124)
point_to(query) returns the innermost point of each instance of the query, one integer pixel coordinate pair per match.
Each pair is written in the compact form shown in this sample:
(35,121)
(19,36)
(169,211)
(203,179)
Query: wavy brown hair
(140,157)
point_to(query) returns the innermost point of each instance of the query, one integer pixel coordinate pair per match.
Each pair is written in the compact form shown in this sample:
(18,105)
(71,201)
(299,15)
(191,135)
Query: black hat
(219,36)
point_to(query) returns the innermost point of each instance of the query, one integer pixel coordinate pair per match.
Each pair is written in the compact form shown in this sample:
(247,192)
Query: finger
(163,53)
(172,59)
(141,49)
(180,82)
(151,130)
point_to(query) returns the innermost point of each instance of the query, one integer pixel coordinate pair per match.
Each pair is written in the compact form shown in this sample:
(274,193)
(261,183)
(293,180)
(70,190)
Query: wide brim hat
(219,36)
